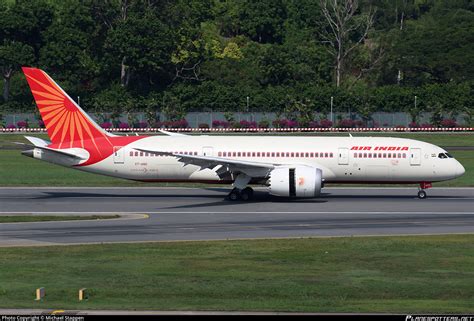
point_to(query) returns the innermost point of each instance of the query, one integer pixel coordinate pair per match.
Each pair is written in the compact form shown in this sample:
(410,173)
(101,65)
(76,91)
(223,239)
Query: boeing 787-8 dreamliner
(288,166)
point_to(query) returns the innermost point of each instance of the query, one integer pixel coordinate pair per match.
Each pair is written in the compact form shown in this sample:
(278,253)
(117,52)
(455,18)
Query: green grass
(420,274)
(440,139)
(18,170)
(47,218)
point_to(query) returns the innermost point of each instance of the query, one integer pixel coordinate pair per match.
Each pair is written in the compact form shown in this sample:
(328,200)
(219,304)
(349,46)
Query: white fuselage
(341,159)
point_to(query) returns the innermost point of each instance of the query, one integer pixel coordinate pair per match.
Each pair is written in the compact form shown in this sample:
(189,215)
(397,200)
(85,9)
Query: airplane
(293,167)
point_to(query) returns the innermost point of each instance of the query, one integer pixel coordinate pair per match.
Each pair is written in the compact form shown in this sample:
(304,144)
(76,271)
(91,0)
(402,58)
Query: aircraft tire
(421,194)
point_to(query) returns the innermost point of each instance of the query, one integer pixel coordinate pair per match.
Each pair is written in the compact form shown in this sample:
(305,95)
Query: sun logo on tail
(67,124)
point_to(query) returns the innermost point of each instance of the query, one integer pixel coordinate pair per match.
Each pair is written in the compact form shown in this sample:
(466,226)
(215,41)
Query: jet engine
(296,181)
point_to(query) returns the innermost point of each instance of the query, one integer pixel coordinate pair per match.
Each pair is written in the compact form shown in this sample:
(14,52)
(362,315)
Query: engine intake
(296,181)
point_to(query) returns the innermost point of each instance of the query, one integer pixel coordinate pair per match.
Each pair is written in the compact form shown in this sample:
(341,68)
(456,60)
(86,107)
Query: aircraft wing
(220,164)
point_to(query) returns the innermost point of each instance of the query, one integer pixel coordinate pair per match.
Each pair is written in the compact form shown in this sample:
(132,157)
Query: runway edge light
(83,294)
(40,293)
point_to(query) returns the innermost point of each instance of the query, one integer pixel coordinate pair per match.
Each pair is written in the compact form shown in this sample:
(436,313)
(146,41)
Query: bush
(285,123)
(123,125)
(183,123)
(106,125)
(142,124)
(203,125)
(346,123)
(325,123)
(22,124)
(220,124)
(248,124)
(11,126)
(264,124)
(449,123)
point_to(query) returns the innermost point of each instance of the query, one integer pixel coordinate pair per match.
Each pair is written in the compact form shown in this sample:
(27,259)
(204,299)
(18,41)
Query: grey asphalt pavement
(203,214)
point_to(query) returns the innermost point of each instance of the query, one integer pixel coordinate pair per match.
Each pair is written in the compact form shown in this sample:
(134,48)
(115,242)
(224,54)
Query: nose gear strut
(421,189)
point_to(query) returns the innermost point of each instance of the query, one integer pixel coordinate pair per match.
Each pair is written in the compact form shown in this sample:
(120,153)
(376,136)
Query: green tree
(437,48)
(263,21)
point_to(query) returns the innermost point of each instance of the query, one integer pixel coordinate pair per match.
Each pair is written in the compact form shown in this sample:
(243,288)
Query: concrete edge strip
(237,239)
(122,216)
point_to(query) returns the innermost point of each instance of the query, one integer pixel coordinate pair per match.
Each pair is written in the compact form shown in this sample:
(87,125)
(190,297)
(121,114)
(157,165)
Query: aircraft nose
(459,169)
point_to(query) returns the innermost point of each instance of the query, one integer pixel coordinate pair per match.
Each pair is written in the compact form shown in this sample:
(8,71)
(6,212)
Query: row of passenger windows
(380,155)
(280,154)
(276,154)
(145,154)
(245,154)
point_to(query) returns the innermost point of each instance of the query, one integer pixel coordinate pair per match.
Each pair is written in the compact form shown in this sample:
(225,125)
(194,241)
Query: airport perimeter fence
(254,122)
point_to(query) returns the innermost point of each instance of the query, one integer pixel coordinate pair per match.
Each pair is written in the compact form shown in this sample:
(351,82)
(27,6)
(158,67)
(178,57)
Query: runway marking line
(234,212)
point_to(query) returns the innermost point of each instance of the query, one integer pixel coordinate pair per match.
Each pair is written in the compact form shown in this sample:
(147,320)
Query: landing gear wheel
(246,194)
(234,195)
(421,194)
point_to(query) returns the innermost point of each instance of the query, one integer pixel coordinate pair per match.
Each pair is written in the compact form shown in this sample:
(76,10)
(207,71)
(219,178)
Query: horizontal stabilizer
(80,156)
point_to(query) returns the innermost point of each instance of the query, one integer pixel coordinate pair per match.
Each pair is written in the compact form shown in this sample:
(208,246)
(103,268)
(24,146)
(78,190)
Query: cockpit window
(449,155)
(442,155)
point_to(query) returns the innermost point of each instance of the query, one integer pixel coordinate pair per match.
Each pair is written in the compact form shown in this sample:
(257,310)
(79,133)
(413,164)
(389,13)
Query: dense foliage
(199,55)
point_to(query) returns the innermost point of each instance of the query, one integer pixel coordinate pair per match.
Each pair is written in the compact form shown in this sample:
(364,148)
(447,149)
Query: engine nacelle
(296,181)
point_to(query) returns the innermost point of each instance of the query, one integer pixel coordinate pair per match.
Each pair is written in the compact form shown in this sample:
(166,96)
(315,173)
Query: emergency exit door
(415,156)
(207,151)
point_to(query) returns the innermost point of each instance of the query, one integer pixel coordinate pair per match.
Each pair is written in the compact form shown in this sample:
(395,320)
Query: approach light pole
(332,103)
(248,99)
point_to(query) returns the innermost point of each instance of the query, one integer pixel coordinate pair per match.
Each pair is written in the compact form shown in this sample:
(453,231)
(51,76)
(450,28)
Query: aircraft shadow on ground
(259,197)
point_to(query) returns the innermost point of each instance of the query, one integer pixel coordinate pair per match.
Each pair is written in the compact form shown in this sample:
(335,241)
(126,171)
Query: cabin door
(118,155)
(343,156)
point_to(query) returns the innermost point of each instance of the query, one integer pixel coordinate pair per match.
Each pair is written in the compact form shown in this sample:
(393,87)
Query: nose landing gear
(421,191)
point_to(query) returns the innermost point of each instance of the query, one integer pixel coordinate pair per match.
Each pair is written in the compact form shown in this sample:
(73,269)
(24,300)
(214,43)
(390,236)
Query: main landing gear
(245,195)
(421,189)
(241,191)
